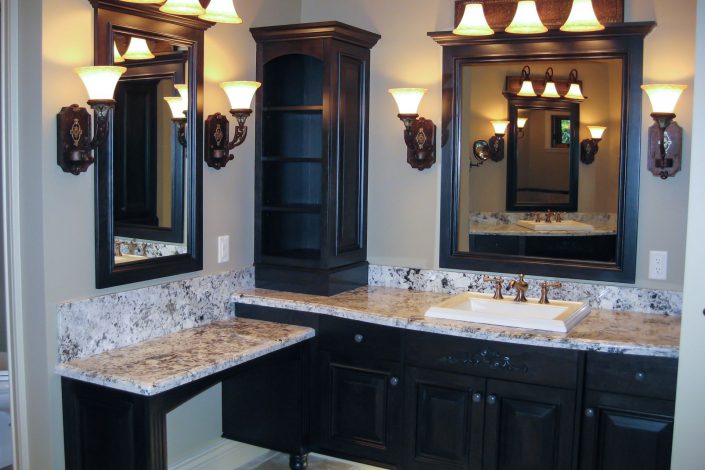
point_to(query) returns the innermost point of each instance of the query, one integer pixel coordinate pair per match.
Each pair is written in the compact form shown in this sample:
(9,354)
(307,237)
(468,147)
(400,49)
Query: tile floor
(315,462)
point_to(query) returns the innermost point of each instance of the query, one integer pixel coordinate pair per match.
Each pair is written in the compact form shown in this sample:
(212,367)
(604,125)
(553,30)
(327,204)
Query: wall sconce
(117,58)
(179,108)
(474,22)
(218,147)
(582,18)
(419,133)
(550,90)
(521,123)
(589,147)
(527,86)
(138,50)
(665,136)
(574,90)
(75,144)
(526,19)
(494,149)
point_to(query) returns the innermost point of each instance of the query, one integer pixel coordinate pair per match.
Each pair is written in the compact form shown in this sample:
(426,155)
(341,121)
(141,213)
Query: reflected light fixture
(521,123)
(419,132)
(182,88)
(574,90)
(179,108)
(183,7)
(474,22)
(221,11)
(582,18)
(665,137)
(75,144)
(590,147)
(526,19)
(527,87)
(218,145)
(550,90)
(117,58)
(494,149)
(138,50)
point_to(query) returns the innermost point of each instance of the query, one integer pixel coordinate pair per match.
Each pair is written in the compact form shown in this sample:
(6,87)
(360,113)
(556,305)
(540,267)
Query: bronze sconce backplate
(218,145)
(670,164)
(74,138)
(588,150)
(420,139)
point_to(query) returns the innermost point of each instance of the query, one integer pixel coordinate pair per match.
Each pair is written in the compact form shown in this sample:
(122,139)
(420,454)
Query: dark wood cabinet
(311,157)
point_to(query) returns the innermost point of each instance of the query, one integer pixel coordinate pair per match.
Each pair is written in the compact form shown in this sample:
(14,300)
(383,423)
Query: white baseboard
(225,455)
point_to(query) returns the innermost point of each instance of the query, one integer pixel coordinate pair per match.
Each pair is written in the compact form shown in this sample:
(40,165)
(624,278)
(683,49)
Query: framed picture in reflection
(560,131)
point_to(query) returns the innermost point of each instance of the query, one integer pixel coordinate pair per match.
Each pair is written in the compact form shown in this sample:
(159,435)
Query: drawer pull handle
(359,338)
(477,397)
(394,381)
(491,399)
(589,412)
(640,376)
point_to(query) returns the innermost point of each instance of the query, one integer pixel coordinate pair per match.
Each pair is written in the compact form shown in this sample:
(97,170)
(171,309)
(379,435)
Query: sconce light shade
(408,99)
(240,93)
(100,81)
(596,132)
(526,19)
(117,58)
(183,92)
(221,11)
(177,106)
(664,97)
(582,18)
(474,22)
(574,91)
(500,127)
(550,91)
(183,7)
(527,87)
(138,50)
(521,122)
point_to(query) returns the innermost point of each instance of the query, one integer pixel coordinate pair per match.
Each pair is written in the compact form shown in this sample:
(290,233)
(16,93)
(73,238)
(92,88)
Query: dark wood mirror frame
(618,41)
(147,21)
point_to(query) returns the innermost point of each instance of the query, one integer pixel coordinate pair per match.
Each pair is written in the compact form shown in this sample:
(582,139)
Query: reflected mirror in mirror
(535,197)
(149,171)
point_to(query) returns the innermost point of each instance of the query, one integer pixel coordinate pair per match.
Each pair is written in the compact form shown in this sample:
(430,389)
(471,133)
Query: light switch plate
(223,248)
(658,265)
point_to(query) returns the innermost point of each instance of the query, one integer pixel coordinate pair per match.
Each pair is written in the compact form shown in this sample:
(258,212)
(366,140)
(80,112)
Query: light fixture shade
(240,93)
(575,92)
(526,19)
(582,18)
(221,11)
(138,50)
(177,106)
(408,99)
(100,81)
(183,92)
(473,22)
(550,91)
(117,58)
(527,89)
(664,97)
(500,127)
(521,122)
(183,7)
(143,1)
(596,132)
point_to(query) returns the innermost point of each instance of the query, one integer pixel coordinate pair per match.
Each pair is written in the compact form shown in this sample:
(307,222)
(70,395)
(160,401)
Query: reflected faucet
(521,287)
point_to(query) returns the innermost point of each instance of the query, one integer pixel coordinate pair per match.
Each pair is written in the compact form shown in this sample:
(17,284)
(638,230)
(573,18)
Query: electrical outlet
(658,265)
(223,248)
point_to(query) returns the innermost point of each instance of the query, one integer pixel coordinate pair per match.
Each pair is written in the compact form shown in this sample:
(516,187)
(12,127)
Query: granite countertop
(513,229)
(602,330)
(155,366)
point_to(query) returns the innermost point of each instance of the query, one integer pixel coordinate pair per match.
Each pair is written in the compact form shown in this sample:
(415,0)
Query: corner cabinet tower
(311,157)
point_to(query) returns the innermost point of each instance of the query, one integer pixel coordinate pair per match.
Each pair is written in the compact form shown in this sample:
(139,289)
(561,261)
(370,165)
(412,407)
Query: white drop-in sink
(565,226)
(559,315)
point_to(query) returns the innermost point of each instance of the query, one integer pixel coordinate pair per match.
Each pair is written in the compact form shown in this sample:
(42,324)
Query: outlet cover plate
(223,248)
(658,265)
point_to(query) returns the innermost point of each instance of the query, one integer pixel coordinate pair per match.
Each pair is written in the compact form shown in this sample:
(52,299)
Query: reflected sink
(559,315)
(128,258)
(564,226)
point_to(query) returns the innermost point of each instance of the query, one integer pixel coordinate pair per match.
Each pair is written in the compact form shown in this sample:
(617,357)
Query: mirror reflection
(149,149)
(542,184)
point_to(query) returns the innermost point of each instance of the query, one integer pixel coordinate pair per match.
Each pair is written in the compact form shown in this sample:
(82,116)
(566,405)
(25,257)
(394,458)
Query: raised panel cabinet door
(361,408)
(444,420)
(622,432)
(528,427)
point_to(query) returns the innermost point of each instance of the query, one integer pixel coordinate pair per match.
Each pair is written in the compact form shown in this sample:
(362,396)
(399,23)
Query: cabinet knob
(491,399)
(477,397)
(358,338)
(640,376)
(589,412)
(394,381)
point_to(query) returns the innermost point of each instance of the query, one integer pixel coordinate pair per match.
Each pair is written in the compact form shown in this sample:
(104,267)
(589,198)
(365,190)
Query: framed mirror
(539,205)
(149,173)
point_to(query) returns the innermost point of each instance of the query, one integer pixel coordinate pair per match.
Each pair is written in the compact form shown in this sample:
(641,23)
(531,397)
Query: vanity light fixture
(474,22)
(582,18)
(521,123)
(527,86)
(590,147)
(75,144)
(179,109)
(138,50)
(117,58)
(221,11)
(665,136)
(526,19)
(183,7)
(574,91)
(419,132)
(550,90)
(218,147)
(494,149)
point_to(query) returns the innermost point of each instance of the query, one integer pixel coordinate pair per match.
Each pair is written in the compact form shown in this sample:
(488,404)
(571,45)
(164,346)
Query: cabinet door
(622,432)
(528,427)
(361,408)
(444,419)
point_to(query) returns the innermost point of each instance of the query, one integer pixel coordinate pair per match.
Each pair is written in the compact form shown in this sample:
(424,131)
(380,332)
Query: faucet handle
(545,286)
(559,217)
(498,284)
(549,216)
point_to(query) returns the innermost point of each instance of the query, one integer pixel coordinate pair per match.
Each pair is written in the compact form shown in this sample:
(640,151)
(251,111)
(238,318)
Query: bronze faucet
(118,248)
(521,287)
(498,284)
(549,216)
(559,217)
(545,285)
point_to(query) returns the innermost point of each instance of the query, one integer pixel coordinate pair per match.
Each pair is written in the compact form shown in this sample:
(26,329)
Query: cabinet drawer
(359,339)
(632,375)
(553,367)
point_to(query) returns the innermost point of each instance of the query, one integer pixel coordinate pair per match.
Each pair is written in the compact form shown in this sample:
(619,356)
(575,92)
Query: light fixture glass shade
(240,93)
(550,91)
(500,127)
(574,92)
(177,106)
(408,99)
(473,22)
(221,11)
(183,92)
(143,1)
(527,89)
(526,19)
(596,132)
(582,18)
(117,58)
(183,7)
(663,97)
(138,50)
(521,122)
(100,81)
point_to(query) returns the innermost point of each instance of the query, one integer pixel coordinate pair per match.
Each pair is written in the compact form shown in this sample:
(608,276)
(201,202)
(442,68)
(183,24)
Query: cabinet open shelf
(306,208)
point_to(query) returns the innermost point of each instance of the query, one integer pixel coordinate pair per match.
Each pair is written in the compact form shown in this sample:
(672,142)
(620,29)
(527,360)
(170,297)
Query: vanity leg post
(298,461)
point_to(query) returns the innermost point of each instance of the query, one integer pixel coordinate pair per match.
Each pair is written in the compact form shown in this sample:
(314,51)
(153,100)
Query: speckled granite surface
(602,330)
(516,230)
(158,365)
